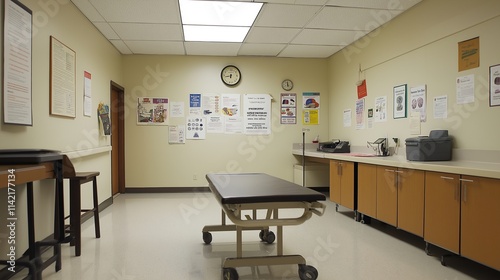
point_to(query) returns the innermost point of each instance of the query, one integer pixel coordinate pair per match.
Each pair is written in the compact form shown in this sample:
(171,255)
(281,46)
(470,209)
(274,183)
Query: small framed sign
(400,94)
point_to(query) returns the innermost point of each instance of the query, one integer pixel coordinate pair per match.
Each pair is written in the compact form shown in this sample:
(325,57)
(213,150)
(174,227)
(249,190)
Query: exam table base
(229,273)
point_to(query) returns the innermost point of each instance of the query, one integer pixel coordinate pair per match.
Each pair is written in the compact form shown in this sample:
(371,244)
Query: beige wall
(152,162)
(94,54)
(417,48)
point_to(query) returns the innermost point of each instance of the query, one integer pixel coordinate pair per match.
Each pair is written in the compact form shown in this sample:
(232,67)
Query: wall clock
(230,75)
(287,84)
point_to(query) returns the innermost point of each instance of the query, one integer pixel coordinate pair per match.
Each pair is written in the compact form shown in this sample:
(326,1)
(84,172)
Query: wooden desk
(19,167)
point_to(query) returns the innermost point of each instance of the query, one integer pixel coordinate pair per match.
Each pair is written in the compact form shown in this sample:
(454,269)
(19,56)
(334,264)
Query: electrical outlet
(195,177)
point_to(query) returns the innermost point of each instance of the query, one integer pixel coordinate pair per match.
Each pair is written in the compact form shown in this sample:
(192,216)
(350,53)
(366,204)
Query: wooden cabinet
(367,189)
(480,229)
(342,183)
(411,200)
(442,210)
(387,195)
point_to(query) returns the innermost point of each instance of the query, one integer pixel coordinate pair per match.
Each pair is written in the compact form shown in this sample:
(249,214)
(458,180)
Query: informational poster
(233,121)
(380,114)
(361,88)
(257,114)
(177,109)
(215,123)
(495,85)
(310,117)
(62,79)
(347,118)
(103,111)
(441,107)
(415,127)
(468,54)
(310,100)
(465,89)
(17,71)
(176,134)
(152,111)
(195,104)
(370,118)
(288,108)
(399,104)
(360,113)
(418,101)
(195,128)
(87,94)
(211,104)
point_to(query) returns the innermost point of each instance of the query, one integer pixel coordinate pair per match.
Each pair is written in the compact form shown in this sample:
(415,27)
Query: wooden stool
(76,179)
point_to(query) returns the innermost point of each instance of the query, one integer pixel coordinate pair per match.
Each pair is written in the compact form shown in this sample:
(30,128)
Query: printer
(334,147)
(435,147)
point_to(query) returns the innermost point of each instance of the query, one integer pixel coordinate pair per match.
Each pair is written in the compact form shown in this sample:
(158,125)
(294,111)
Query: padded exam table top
(258,188)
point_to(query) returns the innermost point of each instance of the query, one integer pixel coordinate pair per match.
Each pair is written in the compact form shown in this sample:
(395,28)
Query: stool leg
(75,215)
(96,210)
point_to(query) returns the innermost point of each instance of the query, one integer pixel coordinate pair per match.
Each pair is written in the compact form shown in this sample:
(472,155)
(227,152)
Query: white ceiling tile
(106,30)
(148,31)
(88,10)
(327,37)
(274,15)
(156,47)
(350,18)
(375,4)
(309,51)
(261,49)
(146,11)
(299,2)
(271,35)
(209,48)
(121,47)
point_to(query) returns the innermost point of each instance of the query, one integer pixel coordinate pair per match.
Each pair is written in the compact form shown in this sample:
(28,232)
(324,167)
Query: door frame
(120,123)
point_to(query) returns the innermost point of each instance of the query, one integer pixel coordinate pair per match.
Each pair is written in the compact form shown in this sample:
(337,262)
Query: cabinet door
(347,184)
(367,189)
(480,230)
(387,195)
(442,210)
(335,181)
(411,200)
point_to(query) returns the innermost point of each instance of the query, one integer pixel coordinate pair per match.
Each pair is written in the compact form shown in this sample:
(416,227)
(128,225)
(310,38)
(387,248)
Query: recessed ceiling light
(217,21)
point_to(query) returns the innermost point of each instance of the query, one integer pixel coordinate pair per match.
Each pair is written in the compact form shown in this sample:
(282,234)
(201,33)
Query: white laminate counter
(473,168)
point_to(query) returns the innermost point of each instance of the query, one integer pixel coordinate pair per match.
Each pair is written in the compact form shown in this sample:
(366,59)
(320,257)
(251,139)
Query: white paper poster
(360,113)
(87,94)
(195,128)
(211,104)
(380,114)
(441,107)
(465,89)
(231,111)
(347,118)
(177,109)
(418,101)
(257,114)
(176,134)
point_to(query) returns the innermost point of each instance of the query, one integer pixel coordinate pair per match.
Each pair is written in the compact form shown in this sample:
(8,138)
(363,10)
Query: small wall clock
(230,75)
(287,84)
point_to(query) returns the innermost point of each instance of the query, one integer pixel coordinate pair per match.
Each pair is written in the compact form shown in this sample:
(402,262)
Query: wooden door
(335,181)
(347,184)
(367,189)
(117,139)
(387,195)
(411,200)
(480,230)
(442,210)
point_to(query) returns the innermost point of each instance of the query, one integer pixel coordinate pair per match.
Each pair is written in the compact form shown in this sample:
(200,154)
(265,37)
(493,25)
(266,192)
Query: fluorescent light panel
(217,21)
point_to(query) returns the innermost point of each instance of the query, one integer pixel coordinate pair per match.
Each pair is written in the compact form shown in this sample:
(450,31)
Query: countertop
(463,167)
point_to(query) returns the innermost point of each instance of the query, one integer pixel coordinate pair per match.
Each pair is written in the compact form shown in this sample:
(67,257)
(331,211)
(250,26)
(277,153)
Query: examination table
(257,191)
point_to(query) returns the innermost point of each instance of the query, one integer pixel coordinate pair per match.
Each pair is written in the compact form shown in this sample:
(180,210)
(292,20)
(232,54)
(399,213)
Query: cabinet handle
(398,171)
(466,180)
(389,170)
(446,178)
(464,187)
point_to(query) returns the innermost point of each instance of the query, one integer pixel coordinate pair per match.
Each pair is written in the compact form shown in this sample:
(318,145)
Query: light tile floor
(158,236)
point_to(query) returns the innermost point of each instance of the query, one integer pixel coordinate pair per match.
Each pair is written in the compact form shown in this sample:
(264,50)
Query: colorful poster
(195,104)
(152,111)
(310,100)
(360,113)
(288,108)
(310,117)
(418,101)
(233,121)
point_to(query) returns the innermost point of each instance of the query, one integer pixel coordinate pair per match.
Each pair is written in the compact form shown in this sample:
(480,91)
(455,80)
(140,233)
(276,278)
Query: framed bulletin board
(62,79)
(17,66)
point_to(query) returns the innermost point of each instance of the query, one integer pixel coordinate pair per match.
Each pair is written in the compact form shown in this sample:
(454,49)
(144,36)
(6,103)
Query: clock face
(287,84)
(230,75)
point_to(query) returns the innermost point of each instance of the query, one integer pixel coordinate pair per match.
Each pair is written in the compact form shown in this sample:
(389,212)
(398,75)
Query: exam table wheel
(229,274)
(336,208)
(307,272)
(207,237)
(267,236)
